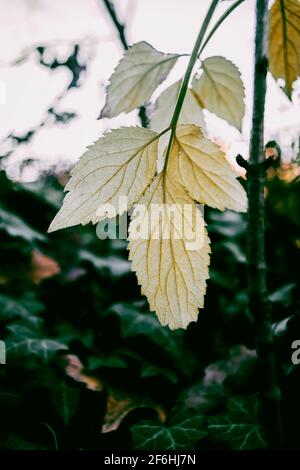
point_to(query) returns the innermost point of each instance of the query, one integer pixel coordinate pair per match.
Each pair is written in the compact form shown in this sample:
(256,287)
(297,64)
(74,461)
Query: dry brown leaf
(42,267)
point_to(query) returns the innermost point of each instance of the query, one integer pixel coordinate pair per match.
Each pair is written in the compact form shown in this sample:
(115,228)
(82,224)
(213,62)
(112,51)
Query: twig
(119,26)
(259,307)
(122,36)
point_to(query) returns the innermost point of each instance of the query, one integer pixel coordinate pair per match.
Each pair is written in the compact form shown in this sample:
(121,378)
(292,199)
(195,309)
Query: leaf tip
(56,224)
(52,227)
(103,113)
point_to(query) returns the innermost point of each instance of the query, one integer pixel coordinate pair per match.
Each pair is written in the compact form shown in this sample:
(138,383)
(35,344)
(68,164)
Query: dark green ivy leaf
(16,227)
(283,295)
(65,399)
(112,265)
(134,321)
(110,361)
(239,426)
(182,435)
(22,346)
(11,308)
(15,442)
(152,370)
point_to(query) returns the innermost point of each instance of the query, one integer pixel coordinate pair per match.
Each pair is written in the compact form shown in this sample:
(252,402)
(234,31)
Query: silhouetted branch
(119,26)
(122,36)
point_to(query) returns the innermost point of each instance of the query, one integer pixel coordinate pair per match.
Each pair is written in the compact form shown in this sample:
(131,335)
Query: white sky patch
(27,90)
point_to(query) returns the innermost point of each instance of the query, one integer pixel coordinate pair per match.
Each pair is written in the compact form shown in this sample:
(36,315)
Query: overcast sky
(27,90)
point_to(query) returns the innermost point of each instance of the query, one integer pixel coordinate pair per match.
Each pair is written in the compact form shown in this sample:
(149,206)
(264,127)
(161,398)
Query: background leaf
(221,90)
(16,227)
(191,112)
(182,435)
(134,80)
(284,42)
(239,427)
(65,399)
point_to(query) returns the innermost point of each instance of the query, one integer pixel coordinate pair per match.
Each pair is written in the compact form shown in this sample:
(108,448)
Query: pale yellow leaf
(202,168)
(284,42)
(171,270)
(191,112)
(136,77)
(122,163)
(221,89)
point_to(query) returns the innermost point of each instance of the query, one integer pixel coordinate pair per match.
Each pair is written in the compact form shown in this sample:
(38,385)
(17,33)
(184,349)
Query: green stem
(187,76)
(219,22)
(192,61)
(120,27)
(257,283)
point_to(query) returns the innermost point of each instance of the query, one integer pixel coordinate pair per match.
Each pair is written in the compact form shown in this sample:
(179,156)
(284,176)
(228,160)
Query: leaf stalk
(187,76)
(257,287)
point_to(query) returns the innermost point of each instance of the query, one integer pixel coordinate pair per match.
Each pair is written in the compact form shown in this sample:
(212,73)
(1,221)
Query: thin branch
(257,286)
(119,26)
(122,36)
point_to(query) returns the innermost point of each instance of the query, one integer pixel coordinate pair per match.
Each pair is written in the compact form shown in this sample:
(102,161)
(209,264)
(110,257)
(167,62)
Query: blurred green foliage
(88,366)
